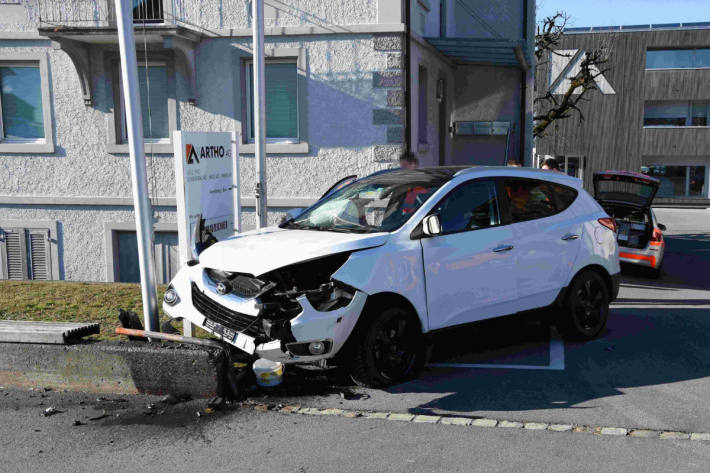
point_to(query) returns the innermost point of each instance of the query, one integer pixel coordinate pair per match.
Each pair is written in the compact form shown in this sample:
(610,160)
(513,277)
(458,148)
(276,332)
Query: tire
(389,348)
(586,307)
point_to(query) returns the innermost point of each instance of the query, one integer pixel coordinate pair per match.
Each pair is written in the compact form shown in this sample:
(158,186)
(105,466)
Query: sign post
(206,181)
(134,126)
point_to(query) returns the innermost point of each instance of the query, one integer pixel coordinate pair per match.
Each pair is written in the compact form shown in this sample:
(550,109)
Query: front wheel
(586,307)
(389,349)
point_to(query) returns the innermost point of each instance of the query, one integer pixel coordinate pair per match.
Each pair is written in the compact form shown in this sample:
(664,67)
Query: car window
(565,196)
(470,206)
(529,199)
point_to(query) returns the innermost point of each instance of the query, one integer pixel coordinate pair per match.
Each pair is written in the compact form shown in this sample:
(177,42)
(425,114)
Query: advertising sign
(206,179)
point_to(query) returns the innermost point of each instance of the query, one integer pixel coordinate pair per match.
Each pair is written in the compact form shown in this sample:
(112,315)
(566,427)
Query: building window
(166,255)
(677,58)
(676,114)
(679,180)
(153,88)
(25,253)
(422,105)
(21,101)
(281,81)
(25,119)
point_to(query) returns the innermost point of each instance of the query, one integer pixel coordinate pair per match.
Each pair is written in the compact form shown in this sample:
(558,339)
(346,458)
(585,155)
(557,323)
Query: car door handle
(502,248)
(570,236)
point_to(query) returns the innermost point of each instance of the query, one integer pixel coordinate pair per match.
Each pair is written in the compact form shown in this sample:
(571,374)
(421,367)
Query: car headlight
(171,296)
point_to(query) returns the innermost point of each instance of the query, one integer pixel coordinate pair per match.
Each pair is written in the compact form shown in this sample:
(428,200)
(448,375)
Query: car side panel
(395,267)
(598,243)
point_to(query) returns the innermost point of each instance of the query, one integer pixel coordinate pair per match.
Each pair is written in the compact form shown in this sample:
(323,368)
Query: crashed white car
(361,277)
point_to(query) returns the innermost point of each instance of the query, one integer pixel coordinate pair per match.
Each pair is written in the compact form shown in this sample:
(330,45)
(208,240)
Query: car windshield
(379,203)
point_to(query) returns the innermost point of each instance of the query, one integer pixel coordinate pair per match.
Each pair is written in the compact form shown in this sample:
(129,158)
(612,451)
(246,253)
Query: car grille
(222,315)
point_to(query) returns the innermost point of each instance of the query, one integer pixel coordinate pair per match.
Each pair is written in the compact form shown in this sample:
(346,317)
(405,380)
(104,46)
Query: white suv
(361,277)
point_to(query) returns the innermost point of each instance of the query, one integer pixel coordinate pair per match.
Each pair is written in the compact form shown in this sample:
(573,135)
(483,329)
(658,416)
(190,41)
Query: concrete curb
(113,367)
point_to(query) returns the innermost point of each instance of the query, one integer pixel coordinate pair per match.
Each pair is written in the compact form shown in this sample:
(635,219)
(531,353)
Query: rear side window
(470,206)
(565,196)
(529,199)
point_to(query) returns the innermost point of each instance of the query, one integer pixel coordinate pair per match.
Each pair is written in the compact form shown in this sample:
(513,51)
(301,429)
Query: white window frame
(42,145)
(249,99)
(122,111)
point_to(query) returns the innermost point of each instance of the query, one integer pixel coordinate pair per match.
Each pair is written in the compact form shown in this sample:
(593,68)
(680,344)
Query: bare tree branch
(551,106)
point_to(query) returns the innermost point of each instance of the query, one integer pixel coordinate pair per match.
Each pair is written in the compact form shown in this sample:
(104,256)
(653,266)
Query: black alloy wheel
(389,349)
(587,307)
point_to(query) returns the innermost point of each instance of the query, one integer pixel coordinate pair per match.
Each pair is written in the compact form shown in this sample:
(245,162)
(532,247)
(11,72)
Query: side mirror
(662,227)
(431,225)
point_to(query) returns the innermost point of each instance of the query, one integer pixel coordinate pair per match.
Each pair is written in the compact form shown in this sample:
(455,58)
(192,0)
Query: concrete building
(651,113)
(348,91)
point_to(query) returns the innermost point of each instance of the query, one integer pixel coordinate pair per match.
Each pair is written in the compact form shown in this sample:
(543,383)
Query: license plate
(244,342)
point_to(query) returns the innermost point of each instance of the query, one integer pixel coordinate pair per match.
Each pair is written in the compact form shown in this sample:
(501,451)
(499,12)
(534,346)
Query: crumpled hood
(260,251)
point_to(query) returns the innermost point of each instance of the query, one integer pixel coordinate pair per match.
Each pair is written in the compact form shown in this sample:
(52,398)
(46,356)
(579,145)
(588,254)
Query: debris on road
(77,422)
(50,411)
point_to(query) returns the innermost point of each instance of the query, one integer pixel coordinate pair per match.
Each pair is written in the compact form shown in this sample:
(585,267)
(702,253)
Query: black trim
(615,283)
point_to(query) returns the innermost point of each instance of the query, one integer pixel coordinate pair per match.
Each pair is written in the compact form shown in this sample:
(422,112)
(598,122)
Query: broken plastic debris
(50,411)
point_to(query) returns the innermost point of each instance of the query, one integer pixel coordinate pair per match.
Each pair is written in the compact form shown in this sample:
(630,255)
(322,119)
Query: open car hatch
(625,187)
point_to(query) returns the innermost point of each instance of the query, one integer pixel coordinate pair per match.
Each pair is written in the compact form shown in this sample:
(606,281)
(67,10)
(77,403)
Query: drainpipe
(407,77)
(524,91)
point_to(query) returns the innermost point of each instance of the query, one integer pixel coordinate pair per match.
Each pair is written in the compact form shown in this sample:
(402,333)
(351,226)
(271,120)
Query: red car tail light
(657,236)
(609,223)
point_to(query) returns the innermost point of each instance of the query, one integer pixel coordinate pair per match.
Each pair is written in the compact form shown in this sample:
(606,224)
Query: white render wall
(340,79)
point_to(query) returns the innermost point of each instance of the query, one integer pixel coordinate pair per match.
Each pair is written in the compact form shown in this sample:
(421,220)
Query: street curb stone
(484,423)
(424,419)
(560,427)
(535,426)
(613,431)
(456,421)
(510,424)
(400,417)
(643,433)
(674,436)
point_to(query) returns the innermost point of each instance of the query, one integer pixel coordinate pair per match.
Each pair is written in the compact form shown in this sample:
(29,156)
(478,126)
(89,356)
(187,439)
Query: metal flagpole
(134,126)
(259,111)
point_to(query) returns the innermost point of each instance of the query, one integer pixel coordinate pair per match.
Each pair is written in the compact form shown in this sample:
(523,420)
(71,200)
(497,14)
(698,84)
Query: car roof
(447,173)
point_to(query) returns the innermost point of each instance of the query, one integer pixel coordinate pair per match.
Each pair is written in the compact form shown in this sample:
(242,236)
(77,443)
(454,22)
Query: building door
(443,120)
(166,256)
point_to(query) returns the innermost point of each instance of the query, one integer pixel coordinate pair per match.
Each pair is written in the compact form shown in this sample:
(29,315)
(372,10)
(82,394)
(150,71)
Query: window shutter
(16,253)
(40,262)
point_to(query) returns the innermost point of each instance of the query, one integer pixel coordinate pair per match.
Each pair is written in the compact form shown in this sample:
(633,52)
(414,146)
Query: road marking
(557,359)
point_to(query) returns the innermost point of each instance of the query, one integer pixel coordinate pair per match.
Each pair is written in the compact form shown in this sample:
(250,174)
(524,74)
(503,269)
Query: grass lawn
(62,301)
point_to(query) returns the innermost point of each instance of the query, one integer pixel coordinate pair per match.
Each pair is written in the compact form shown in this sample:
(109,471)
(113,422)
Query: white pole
(259,111)
(134,125)
(236,184)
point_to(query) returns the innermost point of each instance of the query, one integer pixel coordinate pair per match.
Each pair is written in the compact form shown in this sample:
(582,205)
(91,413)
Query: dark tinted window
(565,196)
(470,206)
(529,199)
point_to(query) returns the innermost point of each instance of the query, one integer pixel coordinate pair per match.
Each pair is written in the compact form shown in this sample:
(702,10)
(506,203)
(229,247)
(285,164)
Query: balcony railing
(102,13)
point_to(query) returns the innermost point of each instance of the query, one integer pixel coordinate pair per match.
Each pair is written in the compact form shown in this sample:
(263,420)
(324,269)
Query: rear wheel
(389,348)
(586,307)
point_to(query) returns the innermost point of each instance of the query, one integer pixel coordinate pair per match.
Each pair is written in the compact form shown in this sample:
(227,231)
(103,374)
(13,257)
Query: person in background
(514,164)
(408,161)
(550,164)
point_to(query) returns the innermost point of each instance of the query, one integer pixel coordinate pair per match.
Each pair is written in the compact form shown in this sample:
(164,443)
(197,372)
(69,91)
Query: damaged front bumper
(327,330)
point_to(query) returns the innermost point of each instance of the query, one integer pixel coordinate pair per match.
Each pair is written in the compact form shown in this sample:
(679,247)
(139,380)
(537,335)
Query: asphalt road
(649,370)
(132,438)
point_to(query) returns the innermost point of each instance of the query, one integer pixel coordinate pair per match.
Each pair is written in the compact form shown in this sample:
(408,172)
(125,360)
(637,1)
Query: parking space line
(557,359)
